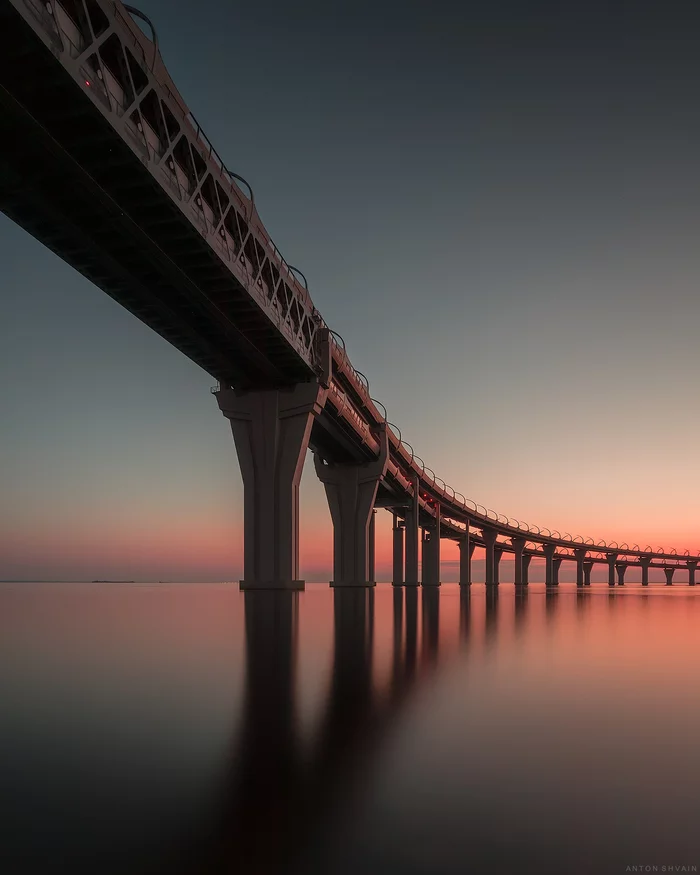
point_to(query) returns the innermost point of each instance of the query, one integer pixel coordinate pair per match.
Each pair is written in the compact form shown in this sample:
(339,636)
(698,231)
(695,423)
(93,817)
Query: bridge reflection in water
(515,796)
(200,729)
(283,800)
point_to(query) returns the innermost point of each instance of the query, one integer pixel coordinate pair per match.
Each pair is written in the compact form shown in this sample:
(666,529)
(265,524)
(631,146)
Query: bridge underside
(69,179)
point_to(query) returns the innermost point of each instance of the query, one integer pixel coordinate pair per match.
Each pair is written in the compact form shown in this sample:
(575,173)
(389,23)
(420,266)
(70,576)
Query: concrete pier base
(518,547)
(556,565)
(351,491)
(580,557)
(491,576)
(692,567)
(271,432)
(549,551)
(412,577)
(398,548)
(587,568)
(466,551)
(669,576)
(621,567)
(645,563)
(271,584)
(431,557)
(612,559)
(497,554)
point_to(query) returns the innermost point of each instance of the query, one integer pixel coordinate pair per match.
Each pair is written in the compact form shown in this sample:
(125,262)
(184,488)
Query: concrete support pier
(645,562)
(669,576)
(497,553)
(692,567)
(398,545)
(621,567)
(466,551)
(351,491)
(413,538)
(527,558)
(431,553)
(587,568)
(556,565)
(271,432)
(580,576)
(612,559)
(489,537)
(518,547)
(549,551)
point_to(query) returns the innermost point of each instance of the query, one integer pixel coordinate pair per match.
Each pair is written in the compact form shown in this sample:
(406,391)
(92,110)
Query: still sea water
(193,728)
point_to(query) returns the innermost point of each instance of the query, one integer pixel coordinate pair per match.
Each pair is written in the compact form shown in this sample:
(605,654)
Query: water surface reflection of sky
(194,728)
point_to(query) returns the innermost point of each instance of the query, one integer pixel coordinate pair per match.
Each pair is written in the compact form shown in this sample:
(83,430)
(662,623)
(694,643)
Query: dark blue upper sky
(495,204)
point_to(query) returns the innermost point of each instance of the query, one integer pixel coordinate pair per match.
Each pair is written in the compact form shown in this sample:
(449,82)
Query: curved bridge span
(103,162)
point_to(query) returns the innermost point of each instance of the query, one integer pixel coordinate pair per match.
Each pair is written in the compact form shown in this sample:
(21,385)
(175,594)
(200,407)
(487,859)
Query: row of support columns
(271,431)
(669,571)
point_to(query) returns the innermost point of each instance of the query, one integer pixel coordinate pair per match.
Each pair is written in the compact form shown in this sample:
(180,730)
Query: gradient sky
(496,205)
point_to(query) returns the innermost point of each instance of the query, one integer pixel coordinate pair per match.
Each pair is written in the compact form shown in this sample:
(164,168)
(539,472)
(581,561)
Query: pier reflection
(283,799)
(342,731)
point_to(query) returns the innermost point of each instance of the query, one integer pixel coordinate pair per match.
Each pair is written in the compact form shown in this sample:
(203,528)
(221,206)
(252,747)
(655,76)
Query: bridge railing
(85,53)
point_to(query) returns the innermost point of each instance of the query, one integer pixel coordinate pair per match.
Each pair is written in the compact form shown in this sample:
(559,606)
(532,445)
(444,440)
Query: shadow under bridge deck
(102,162)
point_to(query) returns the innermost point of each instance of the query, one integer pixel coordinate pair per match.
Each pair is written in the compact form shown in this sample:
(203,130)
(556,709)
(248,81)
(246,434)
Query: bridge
(102,161)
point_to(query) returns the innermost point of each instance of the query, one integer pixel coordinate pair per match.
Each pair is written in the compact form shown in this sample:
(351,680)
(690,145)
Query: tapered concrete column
(612,559)
(527,558)
(621,567)
(692,565)
(431,552)
(645,562)
(497,553)
(549,550)
(556,565)
(397,532)
(489,537)
(431,558)
(669,576)
(372,531)
(413,537)
(351,491)
(466,551)
(587,568)
(518,547)
(271,431)
(580,556)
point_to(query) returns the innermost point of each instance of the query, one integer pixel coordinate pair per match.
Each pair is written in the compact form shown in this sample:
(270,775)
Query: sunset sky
(496,205)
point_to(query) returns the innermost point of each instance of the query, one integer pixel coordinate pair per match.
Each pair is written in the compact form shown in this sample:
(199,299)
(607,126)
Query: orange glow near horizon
(189,541)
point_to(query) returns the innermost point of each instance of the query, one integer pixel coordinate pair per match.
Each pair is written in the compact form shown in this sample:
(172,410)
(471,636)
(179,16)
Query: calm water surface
(194,728)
